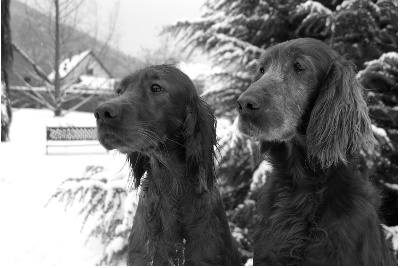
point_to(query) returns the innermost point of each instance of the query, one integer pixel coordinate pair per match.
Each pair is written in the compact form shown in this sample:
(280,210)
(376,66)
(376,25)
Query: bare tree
(64,17)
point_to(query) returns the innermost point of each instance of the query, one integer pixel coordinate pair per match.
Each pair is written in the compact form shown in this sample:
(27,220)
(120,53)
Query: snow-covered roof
(68,64)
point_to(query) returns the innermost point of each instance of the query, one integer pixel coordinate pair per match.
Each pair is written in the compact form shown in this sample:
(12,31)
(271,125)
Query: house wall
(87,64)
(98,69)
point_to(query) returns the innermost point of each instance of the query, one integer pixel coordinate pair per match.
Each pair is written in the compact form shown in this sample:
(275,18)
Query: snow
(315,7)
(380,131)
(37,89)
(129,209)
(236,233)
(249,262)
(383,59)
(68,64)
(381,136)
(237,42)
(393,186)
(392,232)
(116,245)
(32,234)
(35,235)
(260,175)
(390,55)
(385,66)
(189,21)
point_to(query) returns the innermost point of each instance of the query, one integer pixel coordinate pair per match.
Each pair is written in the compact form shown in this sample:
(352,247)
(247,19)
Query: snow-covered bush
(103,202)
(380,78)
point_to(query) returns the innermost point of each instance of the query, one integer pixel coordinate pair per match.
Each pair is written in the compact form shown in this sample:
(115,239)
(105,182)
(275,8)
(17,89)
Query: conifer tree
(234,33)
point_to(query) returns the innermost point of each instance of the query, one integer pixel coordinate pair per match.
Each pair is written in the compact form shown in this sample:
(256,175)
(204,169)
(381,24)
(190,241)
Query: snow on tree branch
(384,68)
(106,205)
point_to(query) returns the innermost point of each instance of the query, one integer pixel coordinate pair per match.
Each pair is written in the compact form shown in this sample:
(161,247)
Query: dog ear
(138,163)
(339,121)
(199,132)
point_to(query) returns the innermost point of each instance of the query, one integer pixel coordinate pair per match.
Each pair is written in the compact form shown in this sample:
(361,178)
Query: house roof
(102,65)
(67,65)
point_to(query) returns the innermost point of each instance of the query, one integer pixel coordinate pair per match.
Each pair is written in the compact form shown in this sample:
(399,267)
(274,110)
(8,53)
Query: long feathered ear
(138,163)
(339,122)
(199,139)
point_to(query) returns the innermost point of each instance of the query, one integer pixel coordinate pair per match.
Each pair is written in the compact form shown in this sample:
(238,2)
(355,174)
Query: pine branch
(107,203)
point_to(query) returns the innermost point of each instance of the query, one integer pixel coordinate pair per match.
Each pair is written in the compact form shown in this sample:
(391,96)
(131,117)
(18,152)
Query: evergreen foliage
(104,203)
(234,33)
(380,78)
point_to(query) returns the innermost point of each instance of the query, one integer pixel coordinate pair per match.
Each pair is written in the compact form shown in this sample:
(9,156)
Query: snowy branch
(106,202)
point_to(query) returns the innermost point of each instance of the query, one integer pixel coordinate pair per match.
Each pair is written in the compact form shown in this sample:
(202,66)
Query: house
(81,72)
(84,72)
(81,75)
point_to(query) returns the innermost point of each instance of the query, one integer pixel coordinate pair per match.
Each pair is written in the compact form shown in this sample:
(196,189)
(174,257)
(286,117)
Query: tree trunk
(57,111)
(6,60)
(5,107)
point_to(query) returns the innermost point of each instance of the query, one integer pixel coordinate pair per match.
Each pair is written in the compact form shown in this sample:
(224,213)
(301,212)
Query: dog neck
(295,169)
(291,159)
(160,191)
(306,189)
(167,196)
(166,168)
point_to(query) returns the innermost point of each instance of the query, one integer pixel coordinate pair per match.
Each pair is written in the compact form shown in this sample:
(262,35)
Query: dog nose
(107,112)
(248,104)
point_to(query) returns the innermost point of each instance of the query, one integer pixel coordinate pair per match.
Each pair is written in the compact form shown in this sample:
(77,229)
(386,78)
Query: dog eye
(262,70)
(298,67)
(119,92)
(156,88)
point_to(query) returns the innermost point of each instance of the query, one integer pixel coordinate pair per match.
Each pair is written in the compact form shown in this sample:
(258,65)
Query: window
(89,71)
(27,79)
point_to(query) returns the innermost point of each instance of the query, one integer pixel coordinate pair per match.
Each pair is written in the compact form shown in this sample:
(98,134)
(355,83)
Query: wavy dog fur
(168,132)
(308,111)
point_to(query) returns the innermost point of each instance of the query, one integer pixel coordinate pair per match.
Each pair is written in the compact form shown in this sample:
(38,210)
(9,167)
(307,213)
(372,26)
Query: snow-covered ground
(30,233)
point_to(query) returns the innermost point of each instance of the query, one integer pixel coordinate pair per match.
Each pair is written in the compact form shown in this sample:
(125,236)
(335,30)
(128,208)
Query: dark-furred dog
(308,112)
(168,132)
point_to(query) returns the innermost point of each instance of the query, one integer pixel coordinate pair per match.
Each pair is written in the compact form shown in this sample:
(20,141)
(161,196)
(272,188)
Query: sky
(139,22)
